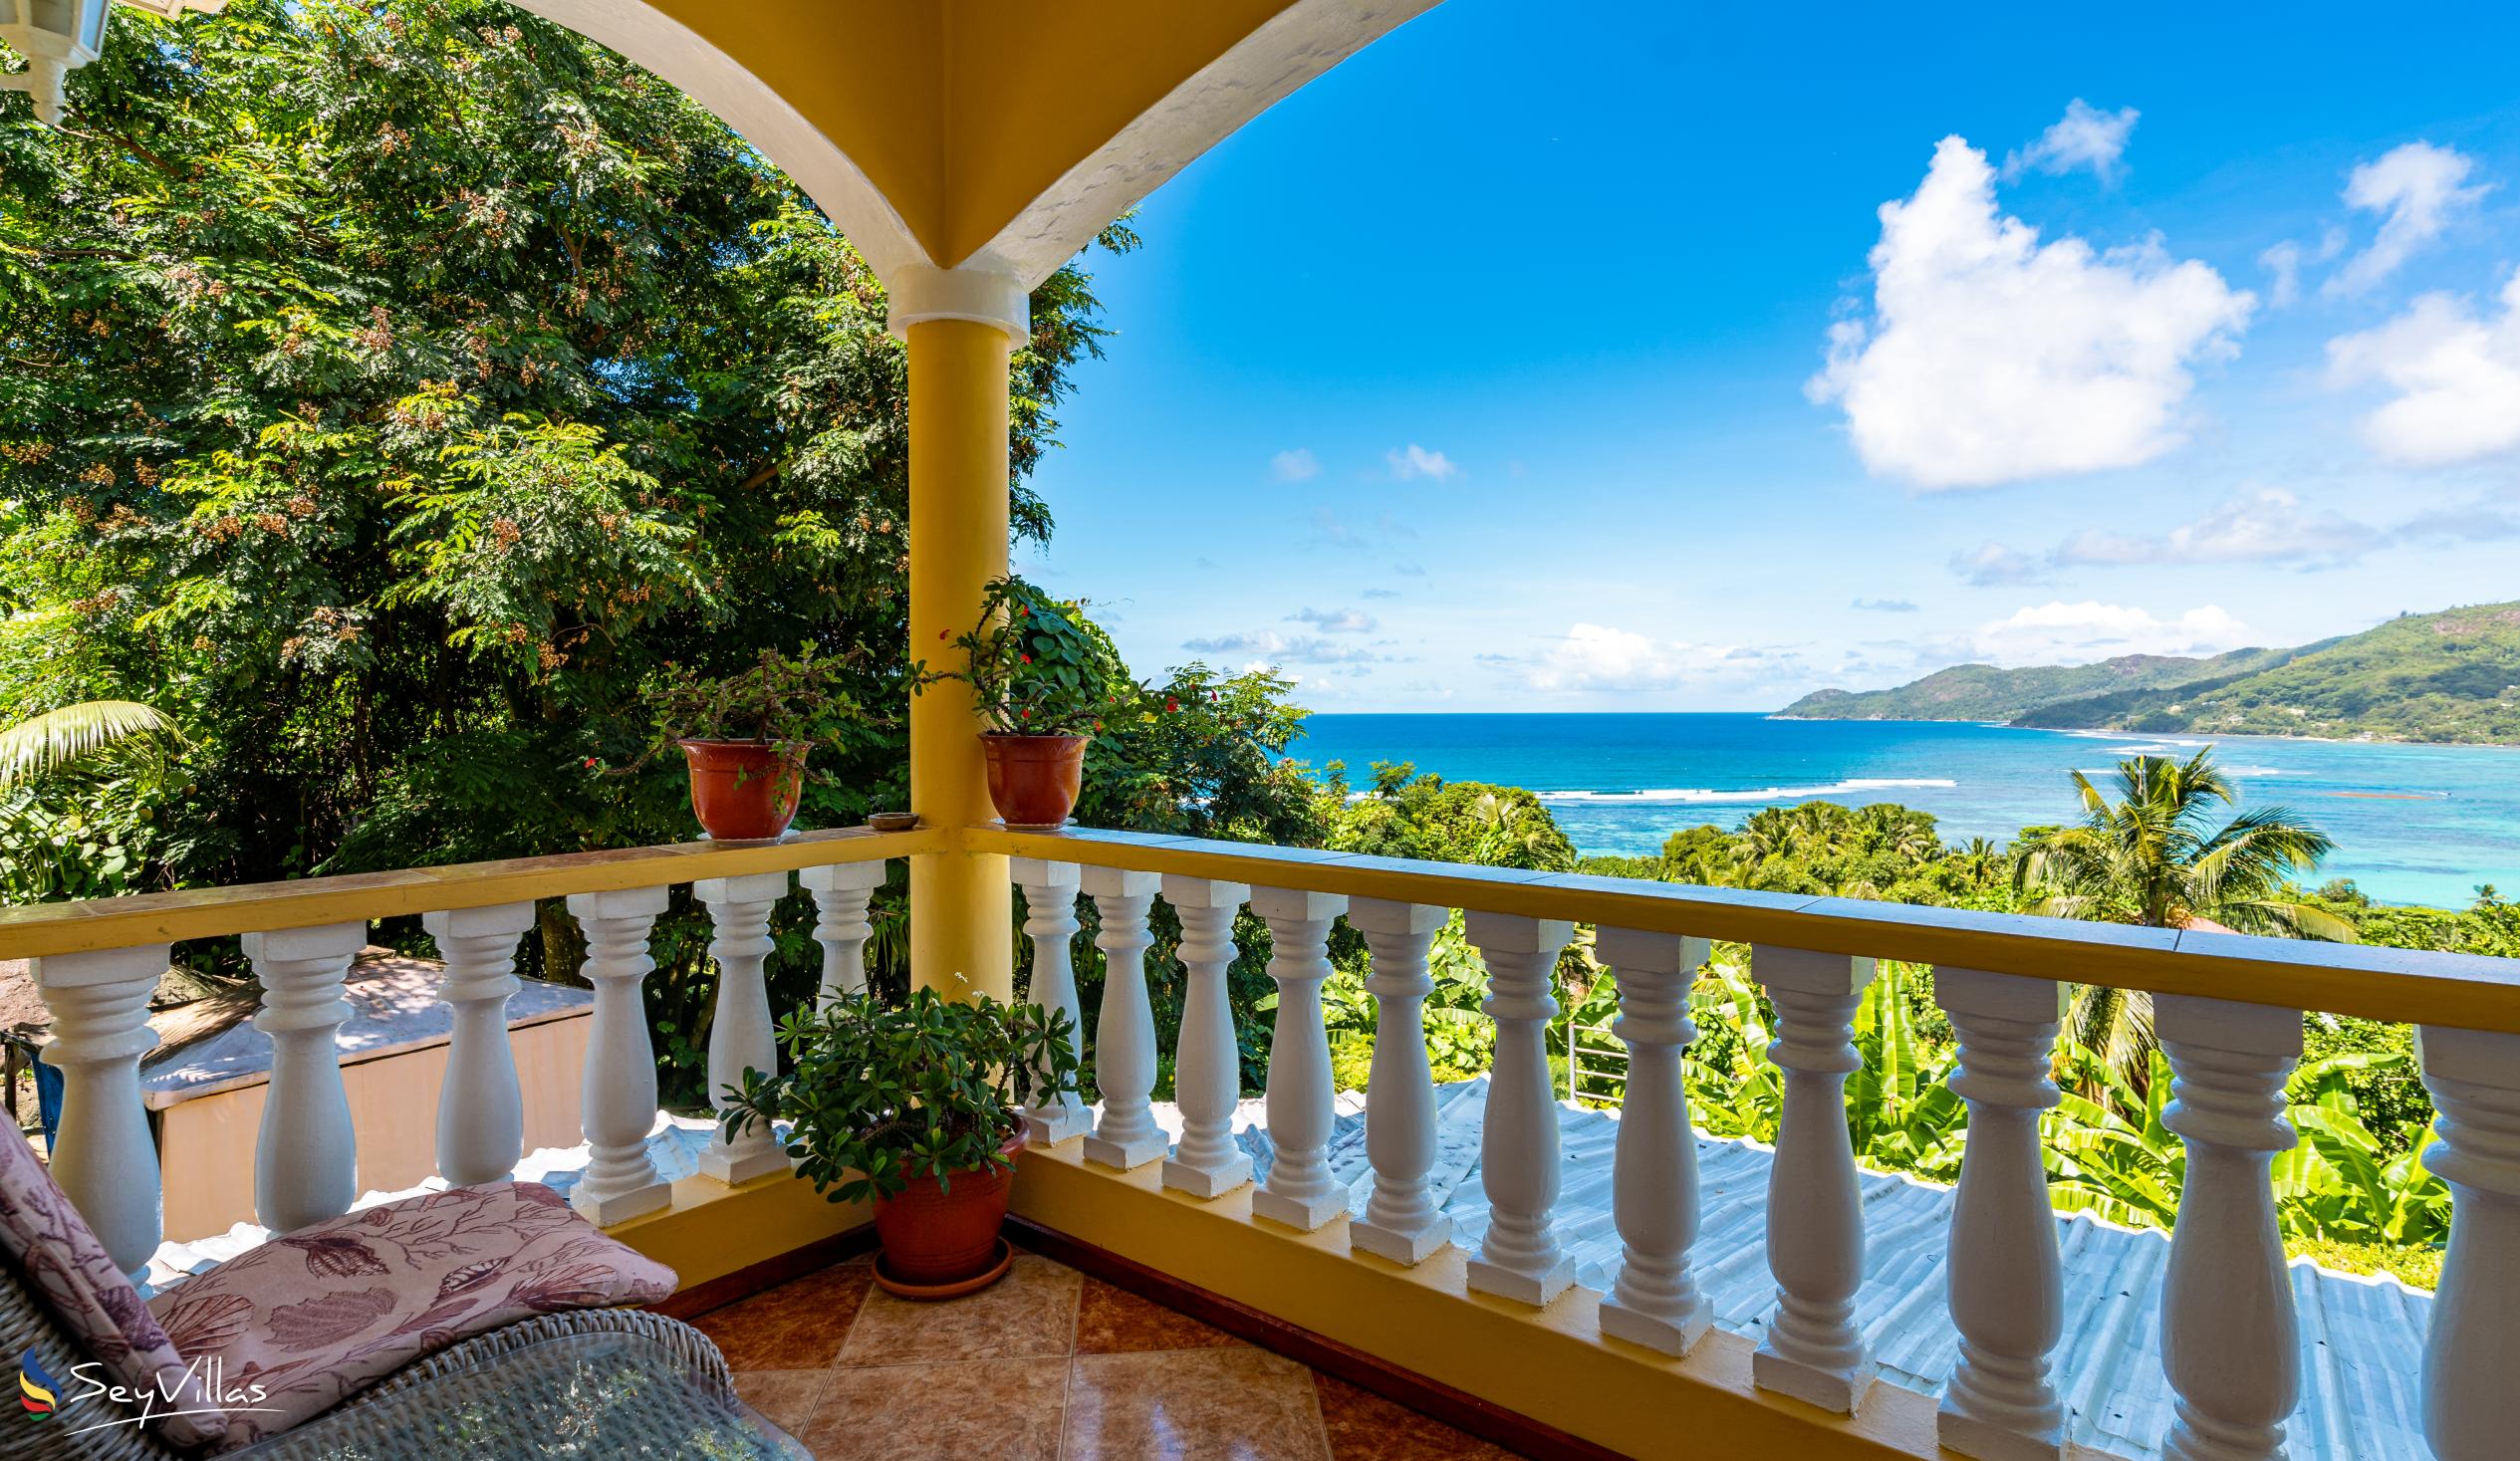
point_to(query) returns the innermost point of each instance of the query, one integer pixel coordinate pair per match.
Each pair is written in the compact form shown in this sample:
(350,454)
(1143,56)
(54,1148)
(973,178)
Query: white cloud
(1991,357)
(2086,137)
(1595,658)
(2071,633)
(1335,620)
(1381,594)
(2266,526)
(1297,465)
(2417,190)
(2283,260)
(1886,606)
(1304,649)
(1993,565)
(1415,460)
(2457,378)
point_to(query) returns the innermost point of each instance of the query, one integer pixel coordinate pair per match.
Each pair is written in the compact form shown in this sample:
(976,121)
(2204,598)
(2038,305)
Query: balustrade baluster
(480,1109)
(1519,1257)
(1299,1191)
(1050,921)
(617,1104)
(2474,1077)
(1207,1064)
(740,1031)
(2230,1342)
(1401,1221)
(305,1159)
(2007,1285)
(1124,1038)
(841,891)
(103,1154)
(1654,1178)
(1815,1219)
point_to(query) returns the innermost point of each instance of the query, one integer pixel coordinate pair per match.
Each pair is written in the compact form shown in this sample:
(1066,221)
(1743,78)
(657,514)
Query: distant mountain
(2447,677)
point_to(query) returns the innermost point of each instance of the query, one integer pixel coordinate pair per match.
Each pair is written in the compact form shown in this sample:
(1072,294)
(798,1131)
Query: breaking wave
(1709,796)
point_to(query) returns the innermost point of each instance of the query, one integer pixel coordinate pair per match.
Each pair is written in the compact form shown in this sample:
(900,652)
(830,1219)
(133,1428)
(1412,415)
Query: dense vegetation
(2452,676)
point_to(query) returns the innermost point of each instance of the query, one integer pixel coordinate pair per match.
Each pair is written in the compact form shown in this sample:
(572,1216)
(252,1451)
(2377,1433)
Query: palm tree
(2152,857)
(55,738)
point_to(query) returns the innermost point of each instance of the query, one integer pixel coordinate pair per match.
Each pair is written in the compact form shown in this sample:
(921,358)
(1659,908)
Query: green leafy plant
(783,701)
(1037,666)
(877,1095)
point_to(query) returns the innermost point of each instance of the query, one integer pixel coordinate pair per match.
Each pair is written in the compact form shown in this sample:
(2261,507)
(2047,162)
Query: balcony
(1552,1278)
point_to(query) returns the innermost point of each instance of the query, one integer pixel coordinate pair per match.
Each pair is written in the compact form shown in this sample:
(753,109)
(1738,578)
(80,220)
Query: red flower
(1028,715)
(1171,704)
(1025,658)
(941,634)
(590,763)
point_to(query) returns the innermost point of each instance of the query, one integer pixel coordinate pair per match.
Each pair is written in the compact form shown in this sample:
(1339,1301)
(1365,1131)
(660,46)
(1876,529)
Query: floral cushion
(64,1265)
(322,1313)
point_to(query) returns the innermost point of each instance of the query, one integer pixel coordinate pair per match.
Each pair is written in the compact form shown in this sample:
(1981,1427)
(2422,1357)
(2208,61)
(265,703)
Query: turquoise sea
(2412,824)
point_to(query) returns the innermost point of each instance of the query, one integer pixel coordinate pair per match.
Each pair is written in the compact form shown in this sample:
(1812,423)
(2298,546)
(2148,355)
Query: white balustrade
(1815,1217)
(1050,921)
(2230,1342)
(2474,1077)
(1401,1221)
(1124,1038)
(840,892)
(2007,1284)
(1519,1257)
(481,1109)
(1207,1064)
(102,1155)
(618,1101)
(306,1160)
(1300,1191)
(740,1033)
(1655,1299)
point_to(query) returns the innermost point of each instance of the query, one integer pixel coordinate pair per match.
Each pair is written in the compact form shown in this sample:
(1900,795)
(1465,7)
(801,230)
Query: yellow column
(961,905)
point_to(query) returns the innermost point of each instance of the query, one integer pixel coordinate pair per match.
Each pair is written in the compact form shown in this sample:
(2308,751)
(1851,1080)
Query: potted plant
(919,1106)
(1043,681)
(747,736)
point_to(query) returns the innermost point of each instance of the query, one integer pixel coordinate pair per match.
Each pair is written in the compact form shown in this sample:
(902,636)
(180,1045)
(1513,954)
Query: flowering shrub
(1037,666)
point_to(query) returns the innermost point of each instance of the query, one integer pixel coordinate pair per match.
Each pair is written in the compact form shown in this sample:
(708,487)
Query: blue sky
(1564,358)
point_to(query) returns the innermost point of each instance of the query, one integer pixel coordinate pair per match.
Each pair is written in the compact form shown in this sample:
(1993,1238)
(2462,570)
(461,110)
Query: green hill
(2447,677)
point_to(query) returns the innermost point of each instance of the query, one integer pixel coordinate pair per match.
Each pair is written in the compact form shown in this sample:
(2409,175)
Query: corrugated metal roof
(2362,1338)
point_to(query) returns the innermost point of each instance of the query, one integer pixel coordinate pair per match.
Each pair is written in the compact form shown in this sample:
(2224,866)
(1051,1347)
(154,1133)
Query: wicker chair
(27,1324)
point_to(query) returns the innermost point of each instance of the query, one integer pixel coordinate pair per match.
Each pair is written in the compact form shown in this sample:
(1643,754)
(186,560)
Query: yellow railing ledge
(37,929)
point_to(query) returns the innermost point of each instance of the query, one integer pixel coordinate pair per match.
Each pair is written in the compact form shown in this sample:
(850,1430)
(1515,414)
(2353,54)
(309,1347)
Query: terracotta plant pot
(934,1236)
(1034,780)
(746,791)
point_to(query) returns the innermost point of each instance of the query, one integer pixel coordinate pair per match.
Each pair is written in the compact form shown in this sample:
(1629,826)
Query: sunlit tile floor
(1046,1365)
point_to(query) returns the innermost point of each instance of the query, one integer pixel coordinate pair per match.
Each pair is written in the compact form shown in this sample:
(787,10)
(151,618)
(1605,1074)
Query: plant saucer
(925,1293)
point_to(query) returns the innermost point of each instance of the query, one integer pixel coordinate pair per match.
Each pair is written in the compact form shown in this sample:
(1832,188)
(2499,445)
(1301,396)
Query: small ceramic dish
(893,821)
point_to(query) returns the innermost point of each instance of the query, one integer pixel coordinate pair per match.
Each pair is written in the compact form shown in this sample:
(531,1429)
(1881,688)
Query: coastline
(2114,731)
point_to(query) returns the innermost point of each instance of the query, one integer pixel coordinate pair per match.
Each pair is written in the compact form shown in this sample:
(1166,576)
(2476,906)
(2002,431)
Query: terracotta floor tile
(997,1409)
(1112,1321)
(1241,1404)
(799,1325)
(785,1397)
(1029,1314)
(1364,1426)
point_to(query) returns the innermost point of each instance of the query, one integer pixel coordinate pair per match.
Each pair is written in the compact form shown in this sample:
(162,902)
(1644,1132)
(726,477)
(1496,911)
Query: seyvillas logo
(41,1394)
(35,1387)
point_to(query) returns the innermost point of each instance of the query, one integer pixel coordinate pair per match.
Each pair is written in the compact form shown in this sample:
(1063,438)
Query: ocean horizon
(2412,823)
